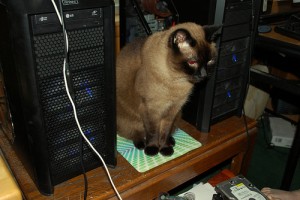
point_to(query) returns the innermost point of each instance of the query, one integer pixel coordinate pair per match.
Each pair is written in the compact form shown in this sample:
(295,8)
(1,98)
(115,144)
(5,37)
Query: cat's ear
(212,33)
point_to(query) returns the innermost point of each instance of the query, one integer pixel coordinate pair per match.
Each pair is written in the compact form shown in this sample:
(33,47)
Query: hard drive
(238,188)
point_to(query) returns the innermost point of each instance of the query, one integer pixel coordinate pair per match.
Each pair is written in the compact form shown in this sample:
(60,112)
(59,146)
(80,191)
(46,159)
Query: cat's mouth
(193,63)
(196,72)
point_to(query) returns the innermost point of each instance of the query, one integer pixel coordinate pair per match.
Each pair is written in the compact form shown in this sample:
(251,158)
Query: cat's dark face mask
(207,67)
(198,58)
(204,71)
(201,67)
(212,34)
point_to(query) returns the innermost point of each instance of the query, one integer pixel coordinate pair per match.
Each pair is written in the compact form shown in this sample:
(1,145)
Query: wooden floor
(226,140)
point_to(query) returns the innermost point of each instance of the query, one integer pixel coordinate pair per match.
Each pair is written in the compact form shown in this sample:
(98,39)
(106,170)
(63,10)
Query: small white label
(241,192)
(265,5)
(70,2)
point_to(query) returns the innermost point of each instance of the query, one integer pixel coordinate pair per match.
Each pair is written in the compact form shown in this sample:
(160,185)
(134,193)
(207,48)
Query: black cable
(270,145)
(248,81)
(246,126)
(141,17)
(83,168)
(72,93)
(247,133)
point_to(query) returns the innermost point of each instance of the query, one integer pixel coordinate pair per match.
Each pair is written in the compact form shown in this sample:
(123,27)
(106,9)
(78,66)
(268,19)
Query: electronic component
(238,188)
(186,196)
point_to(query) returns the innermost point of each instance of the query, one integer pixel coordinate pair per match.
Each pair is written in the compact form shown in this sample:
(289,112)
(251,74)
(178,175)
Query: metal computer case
(32,52)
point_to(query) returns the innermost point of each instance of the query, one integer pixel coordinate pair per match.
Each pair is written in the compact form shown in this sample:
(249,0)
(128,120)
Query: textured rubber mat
(142,163)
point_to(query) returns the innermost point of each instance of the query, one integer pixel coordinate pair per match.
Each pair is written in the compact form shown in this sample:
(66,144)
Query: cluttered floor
(269,157)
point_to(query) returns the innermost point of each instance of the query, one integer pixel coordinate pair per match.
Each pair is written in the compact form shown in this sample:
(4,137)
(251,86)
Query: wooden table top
(281,7)
(277,36)
(226,139)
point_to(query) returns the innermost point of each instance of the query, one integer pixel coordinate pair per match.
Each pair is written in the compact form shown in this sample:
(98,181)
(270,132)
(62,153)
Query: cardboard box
(282,132)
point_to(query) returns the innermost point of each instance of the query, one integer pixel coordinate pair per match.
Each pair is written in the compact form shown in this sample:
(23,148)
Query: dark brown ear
(212,33)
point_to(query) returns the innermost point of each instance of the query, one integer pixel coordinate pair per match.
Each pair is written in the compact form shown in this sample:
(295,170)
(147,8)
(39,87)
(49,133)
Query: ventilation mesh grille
(87,66)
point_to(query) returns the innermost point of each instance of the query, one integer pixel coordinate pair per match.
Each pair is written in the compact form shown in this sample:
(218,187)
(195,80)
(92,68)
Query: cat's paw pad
(167,151)
(139,145)
(151,150)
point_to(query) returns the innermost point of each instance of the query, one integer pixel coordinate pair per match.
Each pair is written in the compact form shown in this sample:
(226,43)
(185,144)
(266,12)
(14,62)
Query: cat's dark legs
(167,142)
(139,144)
(139,139)
(148,145)
(171,141)
(161,141)
(167,149)
(151,148)
(151,130)
(159,131)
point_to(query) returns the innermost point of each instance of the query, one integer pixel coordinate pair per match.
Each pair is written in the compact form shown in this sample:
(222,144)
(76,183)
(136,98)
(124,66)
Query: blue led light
(89,91)
(72,152)
(87,88)
(234,58)
(87,132)
(228,94)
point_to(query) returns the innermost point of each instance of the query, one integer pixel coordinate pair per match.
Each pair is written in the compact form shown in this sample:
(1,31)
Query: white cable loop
(75,111)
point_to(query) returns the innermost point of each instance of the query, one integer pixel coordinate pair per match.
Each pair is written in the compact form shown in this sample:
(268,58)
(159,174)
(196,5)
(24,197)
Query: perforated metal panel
(32,53)
(87,66)
(224,93)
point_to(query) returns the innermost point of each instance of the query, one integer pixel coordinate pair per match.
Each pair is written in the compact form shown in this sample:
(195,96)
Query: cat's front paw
(139,144)
(167,151)
(171,141)
(151,150)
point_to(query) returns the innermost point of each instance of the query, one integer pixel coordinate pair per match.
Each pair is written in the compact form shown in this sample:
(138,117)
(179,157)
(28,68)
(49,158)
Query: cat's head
(194,51)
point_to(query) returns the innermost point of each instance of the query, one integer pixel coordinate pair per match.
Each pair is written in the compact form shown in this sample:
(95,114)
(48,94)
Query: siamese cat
(154,77)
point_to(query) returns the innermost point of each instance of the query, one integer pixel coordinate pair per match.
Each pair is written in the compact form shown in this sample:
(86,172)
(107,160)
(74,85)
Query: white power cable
(75,112)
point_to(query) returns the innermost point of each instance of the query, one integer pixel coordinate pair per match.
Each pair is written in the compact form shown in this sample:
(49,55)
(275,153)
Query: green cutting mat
(141,162)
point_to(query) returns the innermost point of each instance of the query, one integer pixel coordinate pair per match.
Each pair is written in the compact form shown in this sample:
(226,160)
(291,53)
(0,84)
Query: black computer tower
(223,94)
(32,54)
